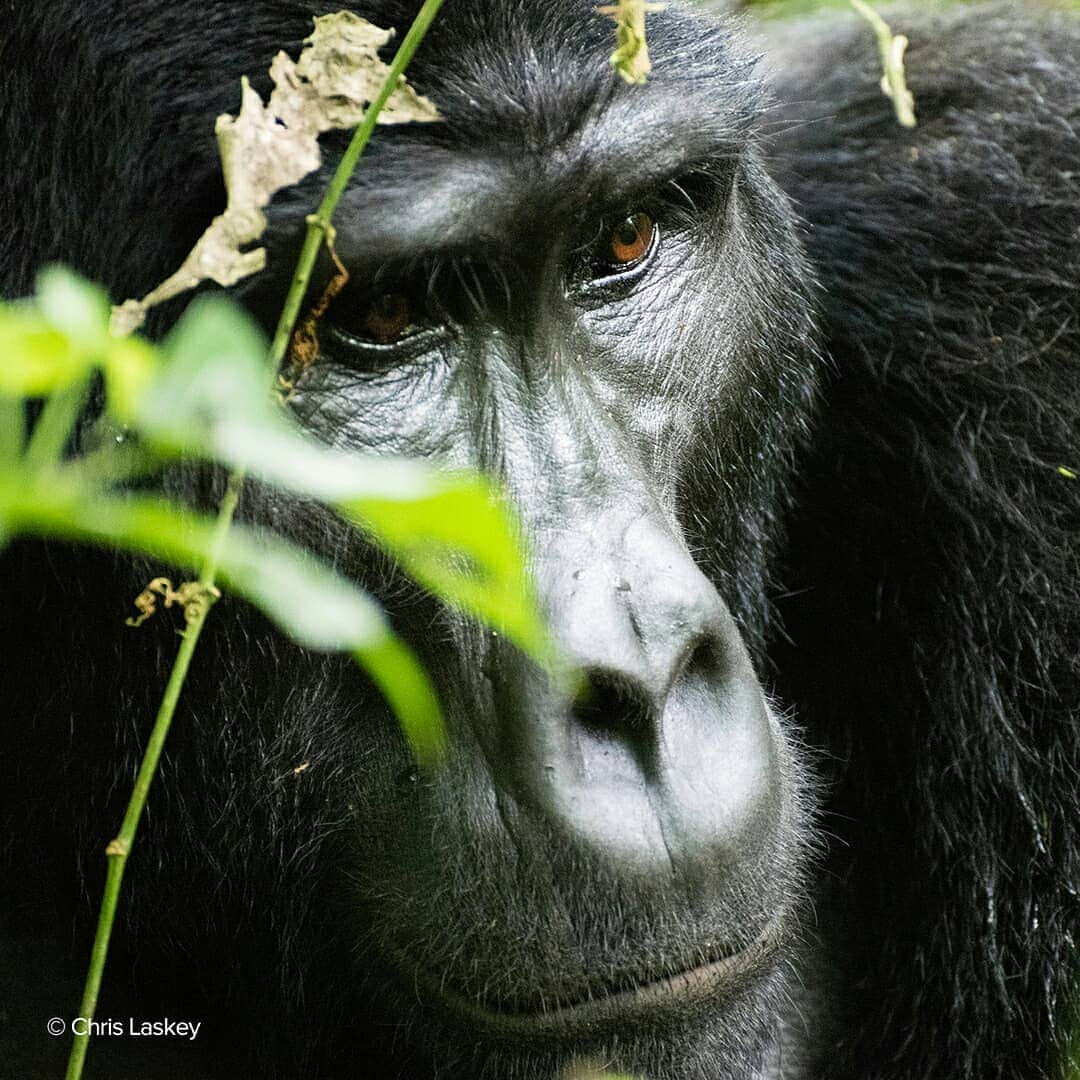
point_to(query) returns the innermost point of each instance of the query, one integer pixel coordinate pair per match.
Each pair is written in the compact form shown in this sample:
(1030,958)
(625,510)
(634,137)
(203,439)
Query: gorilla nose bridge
(636,639)
(633,616)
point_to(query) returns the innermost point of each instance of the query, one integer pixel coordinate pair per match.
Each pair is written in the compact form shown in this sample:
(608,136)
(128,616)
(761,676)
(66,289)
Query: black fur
(906,576)
(939,543)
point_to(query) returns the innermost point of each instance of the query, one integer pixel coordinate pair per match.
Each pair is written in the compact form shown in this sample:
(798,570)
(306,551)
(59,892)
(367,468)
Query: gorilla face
(598,300)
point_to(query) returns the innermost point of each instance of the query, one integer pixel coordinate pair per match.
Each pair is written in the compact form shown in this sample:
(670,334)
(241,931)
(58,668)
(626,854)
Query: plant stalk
(119,848)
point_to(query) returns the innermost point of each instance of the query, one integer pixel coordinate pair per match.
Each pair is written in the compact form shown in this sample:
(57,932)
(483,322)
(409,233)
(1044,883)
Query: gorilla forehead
(517,71)
(527,76)
(536,123)
(520,68)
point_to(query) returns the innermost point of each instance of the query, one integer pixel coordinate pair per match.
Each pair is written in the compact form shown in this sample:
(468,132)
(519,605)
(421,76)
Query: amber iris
(629,241)
(388,318)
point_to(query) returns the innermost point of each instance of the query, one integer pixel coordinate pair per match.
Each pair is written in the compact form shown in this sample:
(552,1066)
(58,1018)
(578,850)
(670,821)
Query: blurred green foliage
(205,394)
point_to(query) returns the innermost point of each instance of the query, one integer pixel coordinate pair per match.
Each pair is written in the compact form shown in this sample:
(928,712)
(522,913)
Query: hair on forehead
(533,113)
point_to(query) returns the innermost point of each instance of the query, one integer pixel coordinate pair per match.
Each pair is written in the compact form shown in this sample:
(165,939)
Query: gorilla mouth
(670,999)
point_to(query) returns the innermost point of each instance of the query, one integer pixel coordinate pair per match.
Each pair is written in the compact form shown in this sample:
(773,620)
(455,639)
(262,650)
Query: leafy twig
(320,224)
(119,848)
(319,227)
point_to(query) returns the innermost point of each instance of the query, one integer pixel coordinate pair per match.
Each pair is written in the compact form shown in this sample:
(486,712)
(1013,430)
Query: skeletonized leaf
(339,75)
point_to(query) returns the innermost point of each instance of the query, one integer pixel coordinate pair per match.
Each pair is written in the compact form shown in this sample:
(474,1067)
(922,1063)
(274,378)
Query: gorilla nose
(668,760)
(634,612)
(618,700)
(633,632)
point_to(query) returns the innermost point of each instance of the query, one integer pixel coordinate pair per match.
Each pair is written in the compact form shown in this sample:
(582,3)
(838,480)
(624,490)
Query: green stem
(119,848)
(55,425)
(319,225)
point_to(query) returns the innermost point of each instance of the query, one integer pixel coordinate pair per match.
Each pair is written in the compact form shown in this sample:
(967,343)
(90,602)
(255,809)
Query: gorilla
(788,400)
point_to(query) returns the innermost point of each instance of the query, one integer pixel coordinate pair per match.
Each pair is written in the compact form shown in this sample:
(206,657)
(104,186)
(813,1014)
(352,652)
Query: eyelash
(676,207)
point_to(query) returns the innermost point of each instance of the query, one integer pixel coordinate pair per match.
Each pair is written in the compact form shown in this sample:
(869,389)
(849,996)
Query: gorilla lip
(676,998)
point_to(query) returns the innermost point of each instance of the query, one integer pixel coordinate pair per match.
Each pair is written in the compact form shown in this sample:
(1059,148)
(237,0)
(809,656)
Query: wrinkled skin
(793,498)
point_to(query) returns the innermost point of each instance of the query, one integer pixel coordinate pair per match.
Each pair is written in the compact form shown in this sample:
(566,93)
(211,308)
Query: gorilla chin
(619,880)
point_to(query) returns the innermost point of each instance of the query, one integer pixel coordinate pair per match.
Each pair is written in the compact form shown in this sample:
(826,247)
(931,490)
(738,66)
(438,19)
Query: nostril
(610,701)
(702,660)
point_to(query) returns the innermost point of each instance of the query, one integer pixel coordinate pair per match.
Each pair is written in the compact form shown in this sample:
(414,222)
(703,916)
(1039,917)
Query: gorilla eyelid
(677,204)
(686,196)
(604,272)
(393,315)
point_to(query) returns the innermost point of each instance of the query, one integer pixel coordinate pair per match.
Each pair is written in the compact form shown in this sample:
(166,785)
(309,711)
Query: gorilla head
(596,293)
(536,283)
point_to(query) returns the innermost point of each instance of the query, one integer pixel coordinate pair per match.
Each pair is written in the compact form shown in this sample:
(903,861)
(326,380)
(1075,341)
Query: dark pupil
(627,232)
(391,306)
(388,318)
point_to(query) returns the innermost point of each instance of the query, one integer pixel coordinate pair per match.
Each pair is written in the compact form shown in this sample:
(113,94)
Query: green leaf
(459,542)
(404,684)
(12,428)
(449,530)
(215,374)
(54,426)
(36,358)
(130,365)
(311,602)
(76,308)
(53,342)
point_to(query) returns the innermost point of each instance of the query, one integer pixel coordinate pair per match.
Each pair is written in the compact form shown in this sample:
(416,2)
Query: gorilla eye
(630,240)
(622,251)
(388,318)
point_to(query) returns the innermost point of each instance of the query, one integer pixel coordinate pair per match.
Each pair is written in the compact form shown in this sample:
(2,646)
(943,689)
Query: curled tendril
(304,346)
(194,597)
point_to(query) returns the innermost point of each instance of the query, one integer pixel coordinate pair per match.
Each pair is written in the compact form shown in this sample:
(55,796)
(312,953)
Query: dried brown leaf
(268,147)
